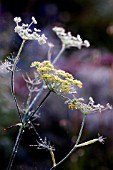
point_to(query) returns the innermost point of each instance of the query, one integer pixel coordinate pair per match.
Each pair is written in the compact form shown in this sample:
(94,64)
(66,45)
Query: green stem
(75,146)
(15,148)
(53,158)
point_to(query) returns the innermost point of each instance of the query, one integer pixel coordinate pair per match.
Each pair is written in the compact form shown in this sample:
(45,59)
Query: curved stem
(15,148)
(59,54)
(75,146)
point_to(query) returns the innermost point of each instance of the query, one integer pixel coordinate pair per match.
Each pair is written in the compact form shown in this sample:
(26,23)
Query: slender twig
(12,79)
(15,148)
(37,134)
(59,54)
(75,146)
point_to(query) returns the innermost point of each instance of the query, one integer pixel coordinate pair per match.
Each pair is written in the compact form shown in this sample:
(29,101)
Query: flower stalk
(99,139)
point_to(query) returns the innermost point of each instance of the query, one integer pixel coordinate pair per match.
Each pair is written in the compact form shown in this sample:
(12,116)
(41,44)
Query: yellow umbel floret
(77,83)
(57,80)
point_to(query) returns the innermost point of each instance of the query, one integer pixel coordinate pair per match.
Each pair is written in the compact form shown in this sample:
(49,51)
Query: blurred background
(93,20)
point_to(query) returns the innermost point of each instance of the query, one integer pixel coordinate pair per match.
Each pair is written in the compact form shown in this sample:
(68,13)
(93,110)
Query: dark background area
(93,20)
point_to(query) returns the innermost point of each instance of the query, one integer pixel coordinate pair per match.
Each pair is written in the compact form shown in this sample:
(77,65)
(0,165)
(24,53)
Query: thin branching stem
(12,79)
(75,146)
(37,134)
(15,148)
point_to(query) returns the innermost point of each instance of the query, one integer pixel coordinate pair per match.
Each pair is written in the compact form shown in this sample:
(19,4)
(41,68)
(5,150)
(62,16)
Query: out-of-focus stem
(59,54)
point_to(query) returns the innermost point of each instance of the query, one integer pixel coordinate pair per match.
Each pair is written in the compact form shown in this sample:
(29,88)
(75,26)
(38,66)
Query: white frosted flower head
(26,33)
(5,67)
(68,40)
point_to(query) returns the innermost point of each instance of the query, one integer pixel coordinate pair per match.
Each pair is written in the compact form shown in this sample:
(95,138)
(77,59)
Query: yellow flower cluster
(57,80)
(43,67)
(86,108)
